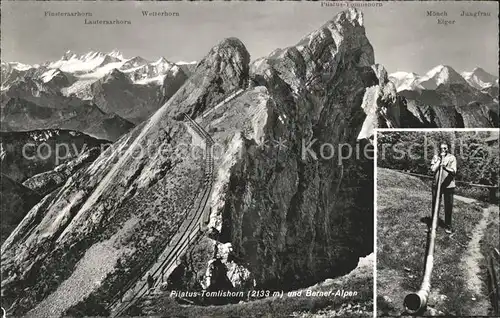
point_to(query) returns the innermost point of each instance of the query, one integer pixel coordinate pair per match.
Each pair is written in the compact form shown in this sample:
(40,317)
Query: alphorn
(415,302)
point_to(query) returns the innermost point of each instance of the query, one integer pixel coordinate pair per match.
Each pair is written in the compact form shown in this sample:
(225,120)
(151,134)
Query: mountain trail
(472,260)
(464,199)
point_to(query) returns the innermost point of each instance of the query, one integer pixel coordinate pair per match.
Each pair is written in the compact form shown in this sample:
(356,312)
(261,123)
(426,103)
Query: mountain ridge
(127,90)
(486,80)
(445,98)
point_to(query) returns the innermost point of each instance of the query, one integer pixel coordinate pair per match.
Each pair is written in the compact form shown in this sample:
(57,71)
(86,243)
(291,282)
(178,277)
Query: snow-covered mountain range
(122,91)
(480,79)
(90,67)
(444,98)
(443,75)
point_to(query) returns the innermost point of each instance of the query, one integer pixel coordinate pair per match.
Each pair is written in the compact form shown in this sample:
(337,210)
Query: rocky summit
(222,72)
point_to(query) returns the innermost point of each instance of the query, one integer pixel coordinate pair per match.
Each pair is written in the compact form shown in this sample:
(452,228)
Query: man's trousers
(447,193)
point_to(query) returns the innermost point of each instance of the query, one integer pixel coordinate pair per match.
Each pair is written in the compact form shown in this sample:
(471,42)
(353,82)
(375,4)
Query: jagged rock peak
(134,62)
(479,70)
(228,49)
(68,55)
(381,73)
(229,43)
(339,44)
(345,29)
(441,75)
(161,60)
(223,71)
(338,26)
(116,54)
(351,15)
(115,74)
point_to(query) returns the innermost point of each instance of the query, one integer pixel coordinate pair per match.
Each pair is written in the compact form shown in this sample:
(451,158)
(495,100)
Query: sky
(403,37)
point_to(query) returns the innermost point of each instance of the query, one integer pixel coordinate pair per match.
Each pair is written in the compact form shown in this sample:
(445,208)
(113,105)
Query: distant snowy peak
(68,55)
(12,72)
(133,63)
(441,75)
(19,66)
(152,72)
(72,63)
(186,63)
(404,80)
(95,65)
(187,67)
(73,73)
(115,75)
(116,54)
(47,76)
(91,55)
(403,75)
(161,60)
(480,79)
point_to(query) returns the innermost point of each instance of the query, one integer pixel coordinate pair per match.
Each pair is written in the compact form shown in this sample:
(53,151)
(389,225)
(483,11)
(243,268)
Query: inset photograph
(437,223)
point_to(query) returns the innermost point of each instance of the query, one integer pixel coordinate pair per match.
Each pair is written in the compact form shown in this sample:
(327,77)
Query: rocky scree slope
(15,201)
(290,220)
(31,158)
(45,182)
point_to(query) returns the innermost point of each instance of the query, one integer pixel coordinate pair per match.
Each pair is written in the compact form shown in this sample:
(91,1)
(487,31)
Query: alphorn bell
(414,302)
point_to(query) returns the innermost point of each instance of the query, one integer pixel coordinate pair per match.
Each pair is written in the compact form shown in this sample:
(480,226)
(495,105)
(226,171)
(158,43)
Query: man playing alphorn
(449,164)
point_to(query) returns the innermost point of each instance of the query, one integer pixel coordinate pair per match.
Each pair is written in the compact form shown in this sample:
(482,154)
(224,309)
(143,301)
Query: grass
(401,247)
(478,193)
(488,243)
